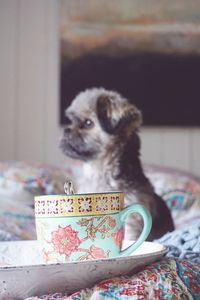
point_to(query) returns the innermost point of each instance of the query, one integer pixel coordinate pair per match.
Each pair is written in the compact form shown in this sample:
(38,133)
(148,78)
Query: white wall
(29,93)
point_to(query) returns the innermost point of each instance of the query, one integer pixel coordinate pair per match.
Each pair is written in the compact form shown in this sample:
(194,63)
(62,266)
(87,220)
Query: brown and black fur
(109,147)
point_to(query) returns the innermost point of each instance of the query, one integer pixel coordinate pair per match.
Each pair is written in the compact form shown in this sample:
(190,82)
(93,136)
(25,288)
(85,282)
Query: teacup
(86,226)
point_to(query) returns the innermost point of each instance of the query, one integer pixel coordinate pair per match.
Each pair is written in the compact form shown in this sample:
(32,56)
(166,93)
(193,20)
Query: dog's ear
(117,115)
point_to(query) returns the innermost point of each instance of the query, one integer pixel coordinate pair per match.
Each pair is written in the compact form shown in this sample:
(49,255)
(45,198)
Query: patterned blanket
(176,276)
(168,279)
(184,243)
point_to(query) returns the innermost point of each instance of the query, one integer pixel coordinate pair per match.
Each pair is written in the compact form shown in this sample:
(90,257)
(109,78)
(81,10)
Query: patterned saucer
(21,264)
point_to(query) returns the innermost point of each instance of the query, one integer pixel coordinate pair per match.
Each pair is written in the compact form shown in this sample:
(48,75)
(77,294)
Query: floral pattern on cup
(64,205)
(86,226)
(84,205)
(115,205)
(101,204)
(65,240)
(41,207)
(52,207)
(118,236)
(95,253)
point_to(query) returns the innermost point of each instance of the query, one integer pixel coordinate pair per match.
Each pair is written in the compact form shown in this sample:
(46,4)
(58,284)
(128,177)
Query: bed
(175,276)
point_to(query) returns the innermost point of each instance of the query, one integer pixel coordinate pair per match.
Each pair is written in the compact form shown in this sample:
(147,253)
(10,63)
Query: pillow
(20,180)
(19,183)
(179,189)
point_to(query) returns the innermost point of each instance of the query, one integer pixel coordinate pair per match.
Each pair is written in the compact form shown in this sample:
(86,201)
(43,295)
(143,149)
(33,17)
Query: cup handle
(140,209)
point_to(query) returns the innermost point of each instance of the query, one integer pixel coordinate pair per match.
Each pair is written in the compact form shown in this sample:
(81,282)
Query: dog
(102,131)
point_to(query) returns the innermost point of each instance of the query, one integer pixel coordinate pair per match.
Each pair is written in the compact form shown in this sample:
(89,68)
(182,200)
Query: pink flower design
(96,253)
(65,240)
(85,204)
(111,222)
(45,255)
(118,236)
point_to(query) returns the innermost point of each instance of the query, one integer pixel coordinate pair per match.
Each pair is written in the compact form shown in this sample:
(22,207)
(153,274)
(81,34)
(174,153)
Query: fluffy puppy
(102,132)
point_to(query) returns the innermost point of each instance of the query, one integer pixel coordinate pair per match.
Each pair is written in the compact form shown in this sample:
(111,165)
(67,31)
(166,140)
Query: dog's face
(98,121)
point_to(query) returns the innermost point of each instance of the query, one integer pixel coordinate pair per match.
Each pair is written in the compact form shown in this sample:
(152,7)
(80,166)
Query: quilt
(168,279)
(177,276)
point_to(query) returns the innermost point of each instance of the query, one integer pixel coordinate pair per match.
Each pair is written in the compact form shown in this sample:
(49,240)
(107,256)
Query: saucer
(23,272)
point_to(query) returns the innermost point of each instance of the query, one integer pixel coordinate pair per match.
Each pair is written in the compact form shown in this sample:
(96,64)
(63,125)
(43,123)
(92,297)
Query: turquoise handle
(140,209)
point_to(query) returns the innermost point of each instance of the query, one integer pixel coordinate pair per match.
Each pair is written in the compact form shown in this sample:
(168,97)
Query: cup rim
(72,205)
(75,195)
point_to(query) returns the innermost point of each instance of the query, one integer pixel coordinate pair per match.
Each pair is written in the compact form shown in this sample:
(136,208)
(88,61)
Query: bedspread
(176,276)
(184,243)
(168,279)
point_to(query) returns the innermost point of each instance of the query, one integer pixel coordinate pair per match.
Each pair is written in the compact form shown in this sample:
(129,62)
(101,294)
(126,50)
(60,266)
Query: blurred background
(154,43)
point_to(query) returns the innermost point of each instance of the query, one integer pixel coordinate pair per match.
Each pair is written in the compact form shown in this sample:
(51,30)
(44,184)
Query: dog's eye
(88,123)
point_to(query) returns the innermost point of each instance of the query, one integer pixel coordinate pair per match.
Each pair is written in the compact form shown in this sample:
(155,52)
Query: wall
(29,92)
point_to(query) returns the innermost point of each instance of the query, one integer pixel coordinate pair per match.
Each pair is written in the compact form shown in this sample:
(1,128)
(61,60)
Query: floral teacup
(85,226)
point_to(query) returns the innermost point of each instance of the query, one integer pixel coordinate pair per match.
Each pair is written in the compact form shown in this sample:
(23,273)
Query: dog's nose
(67,130)
(68,121)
